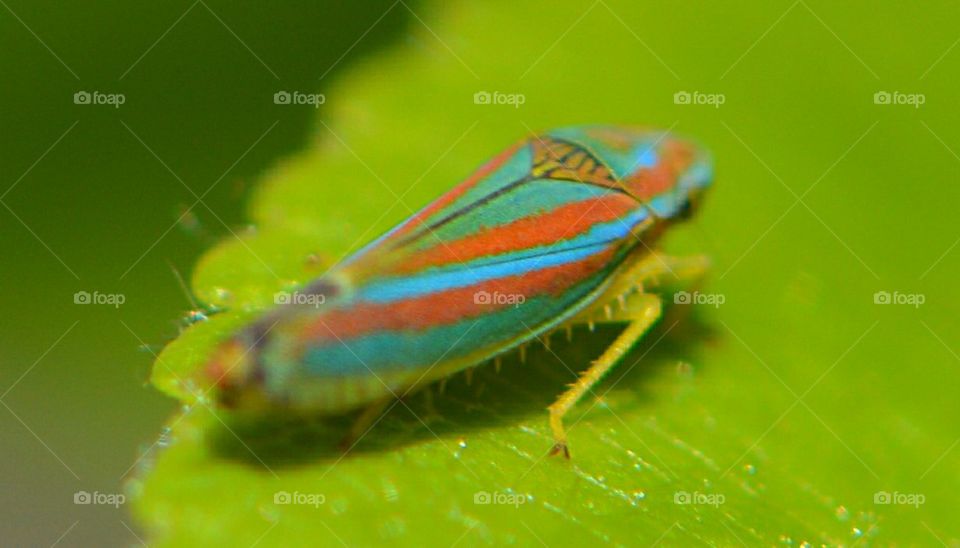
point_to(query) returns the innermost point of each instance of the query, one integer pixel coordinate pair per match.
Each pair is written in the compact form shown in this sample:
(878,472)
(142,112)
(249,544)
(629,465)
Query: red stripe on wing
(562,223)
(452,305)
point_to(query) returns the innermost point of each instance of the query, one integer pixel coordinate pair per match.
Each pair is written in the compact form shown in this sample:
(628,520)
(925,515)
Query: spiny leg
(686,272)
(645,309)
(657,269)
(377,408)
(365,421)
(649,270)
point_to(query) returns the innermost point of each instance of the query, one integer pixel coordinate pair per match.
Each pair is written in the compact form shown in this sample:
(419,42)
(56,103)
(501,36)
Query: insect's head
(688,171)
(692,185)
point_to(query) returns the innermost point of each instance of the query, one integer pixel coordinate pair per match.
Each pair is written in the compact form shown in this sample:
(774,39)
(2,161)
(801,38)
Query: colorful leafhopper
(559,229)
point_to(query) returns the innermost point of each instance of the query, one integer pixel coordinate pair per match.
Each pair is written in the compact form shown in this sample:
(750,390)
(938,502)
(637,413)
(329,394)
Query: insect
(557,230)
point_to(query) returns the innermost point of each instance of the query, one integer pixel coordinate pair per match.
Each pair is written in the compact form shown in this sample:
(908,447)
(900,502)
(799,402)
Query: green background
(797,400)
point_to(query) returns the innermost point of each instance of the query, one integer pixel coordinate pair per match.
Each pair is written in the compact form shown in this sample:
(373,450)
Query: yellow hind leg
(656,269)
(638,309)
(645,310)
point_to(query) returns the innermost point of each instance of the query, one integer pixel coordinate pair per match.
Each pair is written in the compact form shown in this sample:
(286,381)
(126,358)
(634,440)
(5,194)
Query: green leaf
(779,414)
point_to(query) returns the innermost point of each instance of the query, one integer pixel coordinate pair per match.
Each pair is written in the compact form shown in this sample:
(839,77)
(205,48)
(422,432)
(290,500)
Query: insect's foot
(346,443)
(560,446)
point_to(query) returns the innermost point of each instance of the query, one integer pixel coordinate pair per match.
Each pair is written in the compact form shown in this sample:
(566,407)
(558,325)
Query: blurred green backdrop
(824,197)
(105,206)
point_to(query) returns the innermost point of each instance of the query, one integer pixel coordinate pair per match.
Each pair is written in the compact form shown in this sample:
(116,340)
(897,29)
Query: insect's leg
(653,270)
(657,269)
(667,270)
(364,422)
(688,273)
(645,312)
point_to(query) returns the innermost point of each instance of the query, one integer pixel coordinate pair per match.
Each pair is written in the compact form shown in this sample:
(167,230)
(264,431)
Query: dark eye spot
(686,210)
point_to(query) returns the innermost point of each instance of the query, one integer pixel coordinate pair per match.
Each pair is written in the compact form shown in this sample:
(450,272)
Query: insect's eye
(686,210)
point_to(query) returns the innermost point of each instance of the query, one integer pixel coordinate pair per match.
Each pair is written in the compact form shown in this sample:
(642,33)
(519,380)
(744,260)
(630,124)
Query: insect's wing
(554,185)
(515,249)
